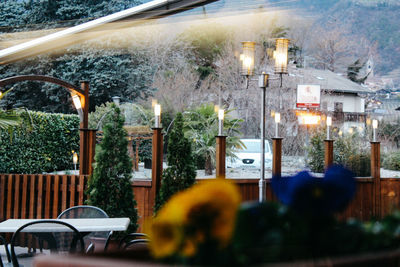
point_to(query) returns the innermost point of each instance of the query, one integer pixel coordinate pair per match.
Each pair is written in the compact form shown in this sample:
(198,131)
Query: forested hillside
(194,61)
(123,72)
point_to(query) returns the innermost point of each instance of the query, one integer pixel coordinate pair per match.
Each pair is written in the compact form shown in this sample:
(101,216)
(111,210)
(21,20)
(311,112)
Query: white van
(250,155)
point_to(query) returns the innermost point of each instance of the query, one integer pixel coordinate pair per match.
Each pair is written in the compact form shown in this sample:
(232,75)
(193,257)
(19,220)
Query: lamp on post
(247,59)
(75,160)
(116,100)
(87,136)
(157,115)
(247,69)
(263,84)
(374,127)
(78,106)
(221,114)
(281,56)
(221,147)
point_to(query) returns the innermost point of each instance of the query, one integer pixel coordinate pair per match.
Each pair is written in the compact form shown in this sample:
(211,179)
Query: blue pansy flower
(306,193)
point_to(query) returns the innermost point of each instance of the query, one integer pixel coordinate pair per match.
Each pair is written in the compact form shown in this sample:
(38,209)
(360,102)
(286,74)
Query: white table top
(82,225)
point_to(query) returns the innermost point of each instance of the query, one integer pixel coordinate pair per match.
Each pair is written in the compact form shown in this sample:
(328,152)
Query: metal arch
(42,78)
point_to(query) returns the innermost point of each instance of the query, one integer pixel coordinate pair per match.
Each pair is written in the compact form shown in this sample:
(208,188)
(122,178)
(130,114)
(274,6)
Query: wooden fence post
(87,151)
(87,136)
(157,162)
(220,157)
(276,156)
(328,153)
(376,174)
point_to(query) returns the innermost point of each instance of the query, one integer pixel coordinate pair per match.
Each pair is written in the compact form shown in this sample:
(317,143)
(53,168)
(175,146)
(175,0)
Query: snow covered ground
(290,166)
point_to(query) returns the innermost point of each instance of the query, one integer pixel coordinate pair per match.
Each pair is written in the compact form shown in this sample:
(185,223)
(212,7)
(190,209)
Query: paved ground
(25,260)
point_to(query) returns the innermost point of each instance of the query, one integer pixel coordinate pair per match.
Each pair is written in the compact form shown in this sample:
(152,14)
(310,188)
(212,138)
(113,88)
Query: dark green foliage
(347,151)
(110,73)
(123,72)
(360,164)
(201,127)
(207,42)
(181,172)
(354,70)
(34,14)
(268,232)
(392,161)
(109,186)
(42,143)
(316,152)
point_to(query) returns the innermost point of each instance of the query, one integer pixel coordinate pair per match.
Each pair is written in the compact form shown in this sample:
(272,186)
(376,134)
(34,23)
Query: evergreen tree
(181,171)
(109,186)
(353,72)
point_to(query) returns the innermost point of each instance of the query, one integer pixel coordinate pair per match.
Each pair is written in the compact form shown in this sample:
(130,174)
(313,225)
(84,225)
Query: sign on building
(308,96)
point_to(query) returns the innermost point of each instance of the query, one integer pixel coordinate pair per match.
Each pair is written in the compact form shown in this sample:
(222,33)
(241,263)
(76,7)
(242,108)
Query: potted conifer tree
(109,187)
(181,171)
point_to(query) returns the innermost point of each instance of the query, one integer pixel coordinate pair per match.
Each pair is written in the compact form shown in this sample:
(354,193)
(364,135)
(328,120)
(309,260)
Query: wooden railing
(45,196)
(39,196)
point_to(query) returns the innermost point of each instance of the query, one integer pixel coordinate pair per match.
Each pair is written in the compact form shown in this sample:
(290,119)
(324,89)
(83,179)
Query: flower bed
(205,225)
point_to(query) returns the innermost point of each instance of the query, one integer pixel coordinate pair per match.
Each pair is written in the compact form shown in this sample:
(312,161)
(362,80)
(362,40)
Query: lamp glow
(247,58)
(277,121)
(374,126)
(75,159)
(277,117)
(329,121)
(328,125)
(77,102)
(153,102)
(157,114)
(281,55)
(221,114)
(78,105)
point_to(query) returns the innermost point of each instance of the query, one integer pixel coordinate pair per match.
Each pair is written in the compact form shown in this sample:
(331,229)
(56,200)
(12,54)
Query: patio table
(82,225)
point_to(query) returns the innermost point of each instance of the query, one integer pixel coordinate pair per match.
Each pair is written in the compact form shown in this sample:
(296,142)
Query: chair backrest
(131,239)
(82,212)
(100,239)
(56,236)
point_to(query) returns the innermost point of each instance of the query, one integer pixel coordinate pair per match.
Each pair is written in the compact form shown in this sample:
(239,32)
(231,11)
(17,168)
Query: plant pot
(147,163)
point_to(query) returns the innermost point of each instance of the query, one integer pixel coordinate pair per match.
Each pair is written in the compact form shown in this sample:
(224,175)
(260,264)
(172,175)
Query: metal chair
(84,211)
(4,242)
(129,241)
(52,235)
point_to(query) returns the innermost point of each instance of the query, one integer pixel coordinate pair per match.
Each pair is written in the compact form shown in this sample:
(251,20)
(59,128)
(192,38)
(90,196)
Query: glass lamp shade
(247,58)
(281,55)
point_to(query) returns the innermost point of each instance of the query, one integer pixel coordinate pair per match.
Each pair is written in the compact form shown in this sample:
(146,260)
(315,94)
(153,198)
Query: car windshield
(254,146)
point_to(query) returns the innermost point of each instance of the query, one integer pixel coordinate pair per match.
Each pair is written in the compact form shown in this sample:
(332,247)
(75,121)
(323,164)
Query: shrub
(316,153)
(392,161)
(360,164)
(109,186)
(181,171)
(347,151)
(43,142)
(135,115)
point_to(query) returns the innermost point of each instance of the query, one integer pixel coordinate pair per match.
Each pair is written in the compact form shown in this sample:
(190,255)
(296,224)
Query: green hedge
(347,151)
(42,143)
(392,161)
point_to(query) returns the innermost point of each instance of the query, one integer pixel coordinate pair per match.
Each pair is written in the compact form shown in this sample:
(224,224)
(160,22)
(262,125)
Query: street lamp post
(247,69)
(263,84)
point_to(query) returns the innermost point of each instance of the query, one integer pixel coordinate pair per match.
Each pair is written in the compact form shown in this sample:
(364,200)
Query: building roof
(328,80)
